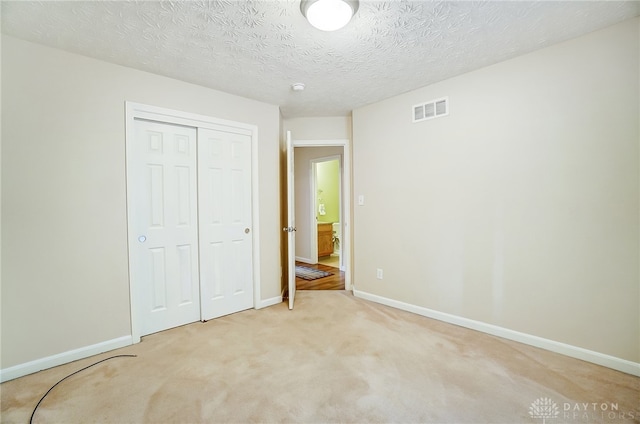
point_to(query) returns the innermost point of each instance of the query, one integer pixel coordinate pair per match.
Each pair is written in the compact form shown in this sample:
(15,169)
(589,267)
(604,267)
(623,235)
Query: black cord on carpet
(73,373)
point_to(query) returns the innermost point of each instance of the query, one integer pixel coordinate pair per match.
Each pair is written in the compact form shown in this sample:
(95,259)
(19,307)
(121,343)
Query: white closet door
(224,205)
(163,225)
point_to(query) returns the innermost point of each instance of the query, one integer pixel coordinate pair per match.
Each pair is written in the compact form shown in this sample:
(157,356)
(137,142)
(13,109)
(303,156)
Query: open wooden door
(290,229)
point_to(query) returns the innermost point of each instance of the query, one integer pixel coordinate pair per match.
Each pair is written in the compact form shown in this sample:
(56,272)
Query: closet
(190,215)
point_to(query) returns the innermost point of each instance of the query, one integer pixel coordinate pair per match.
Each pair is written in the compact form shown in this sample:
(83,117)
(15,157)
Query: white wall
(64,241)
(520,209)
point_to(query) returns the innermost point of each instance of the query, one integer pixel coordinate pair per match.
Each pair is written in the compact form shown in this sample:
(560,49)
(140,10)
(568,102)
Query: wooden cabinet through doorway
(325,239)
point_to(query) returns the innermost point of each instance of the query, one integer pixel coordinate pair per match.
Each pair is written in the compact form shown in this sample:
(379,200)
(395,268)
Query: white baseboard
(269,302)
(31,367)
(305,260)
(63,358)
(598,358)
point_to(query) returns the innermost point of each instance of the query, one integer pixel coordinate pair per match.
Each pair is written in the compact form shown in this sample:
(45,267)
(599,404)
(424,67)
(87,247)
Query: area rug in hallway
(310,274)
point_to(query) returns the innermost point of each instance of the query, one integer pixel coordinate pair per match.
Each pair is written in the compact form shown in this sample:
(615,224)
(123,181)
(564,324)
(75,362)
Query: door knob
(246,230)
(142,239)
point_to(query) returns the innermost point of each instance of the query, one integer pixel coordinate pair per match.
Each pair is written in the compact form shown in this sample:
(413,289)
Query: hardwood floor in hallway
(332,282)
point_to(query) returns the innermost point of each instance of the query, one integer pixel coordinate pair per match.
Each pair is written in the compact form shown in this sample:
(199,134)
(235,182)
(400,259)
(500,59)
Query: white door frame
(141,111)
(346,199)
(313,183)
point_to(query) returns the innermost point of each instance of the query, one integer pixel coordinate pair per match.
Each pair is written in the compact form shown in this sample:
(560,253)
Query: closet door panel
(163,225)
(226,258)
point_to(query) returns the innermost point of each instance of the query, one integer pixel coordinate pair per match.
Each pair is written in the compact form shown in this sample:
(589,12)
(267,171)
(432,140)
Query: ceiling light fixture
(328,15)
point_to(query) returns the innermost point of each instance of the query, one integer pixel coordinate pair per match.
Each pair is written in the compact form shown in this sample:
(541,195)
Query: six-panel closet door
(164,210)
(226,253)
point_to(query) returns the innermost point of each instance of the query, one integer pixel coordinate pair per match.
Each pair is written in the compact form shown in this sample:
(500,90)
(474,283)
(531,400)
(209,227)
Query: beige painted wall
(64,239)
(319,128)
(521,208)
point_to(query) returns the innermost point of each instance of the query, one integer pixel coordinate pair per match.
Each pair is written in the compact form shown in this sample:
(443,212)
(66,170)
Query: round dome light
(328,15)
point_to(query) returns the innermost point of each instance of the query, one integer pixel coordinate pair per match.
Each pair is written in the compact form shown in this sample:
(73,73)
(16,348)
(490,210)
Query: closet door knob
(246,230)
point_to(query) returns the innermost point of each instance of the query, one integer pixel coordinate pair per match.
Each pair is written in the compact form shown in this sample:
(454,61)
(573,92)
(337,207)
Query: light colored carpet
(334,358)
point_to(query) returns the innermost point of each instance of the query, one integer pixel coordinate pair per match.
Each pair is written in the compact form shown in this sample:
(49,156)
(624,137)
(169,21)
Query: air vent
(429,111)
(418,113)
(432,109)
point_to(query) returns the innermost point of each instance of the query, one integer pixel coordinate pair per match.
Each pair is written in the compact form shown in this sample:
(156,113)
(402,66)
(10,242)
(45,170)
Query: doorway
(326,200)
(319,209)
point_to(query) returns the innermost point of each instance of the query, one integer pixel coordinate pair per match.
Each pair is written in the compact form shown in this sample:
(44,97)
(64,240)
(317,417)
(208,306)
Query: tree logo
(544,408)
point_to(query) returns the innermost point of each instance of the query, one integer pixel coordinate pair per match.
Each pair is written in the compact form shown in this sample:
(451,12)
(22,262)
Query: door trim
(135,111)
(346,199)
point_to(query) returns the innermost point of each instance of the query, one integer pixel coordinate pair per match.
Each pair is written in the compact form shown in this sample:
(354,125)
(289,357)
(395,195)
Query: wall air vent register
(431,109)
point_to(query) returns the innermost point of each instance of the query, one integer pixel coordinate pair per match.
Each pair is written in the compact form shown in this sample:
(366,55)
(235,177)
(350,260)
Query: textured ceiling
(257,49)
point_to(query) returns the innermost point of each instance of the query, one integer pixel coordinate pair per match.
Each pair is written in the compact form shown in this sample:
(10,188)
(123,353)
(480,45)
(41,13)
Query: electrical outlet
(379,274)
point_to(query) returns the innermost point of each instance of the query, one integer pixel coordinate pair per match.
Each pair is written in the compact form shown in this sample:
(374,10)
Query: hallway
(331,282)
